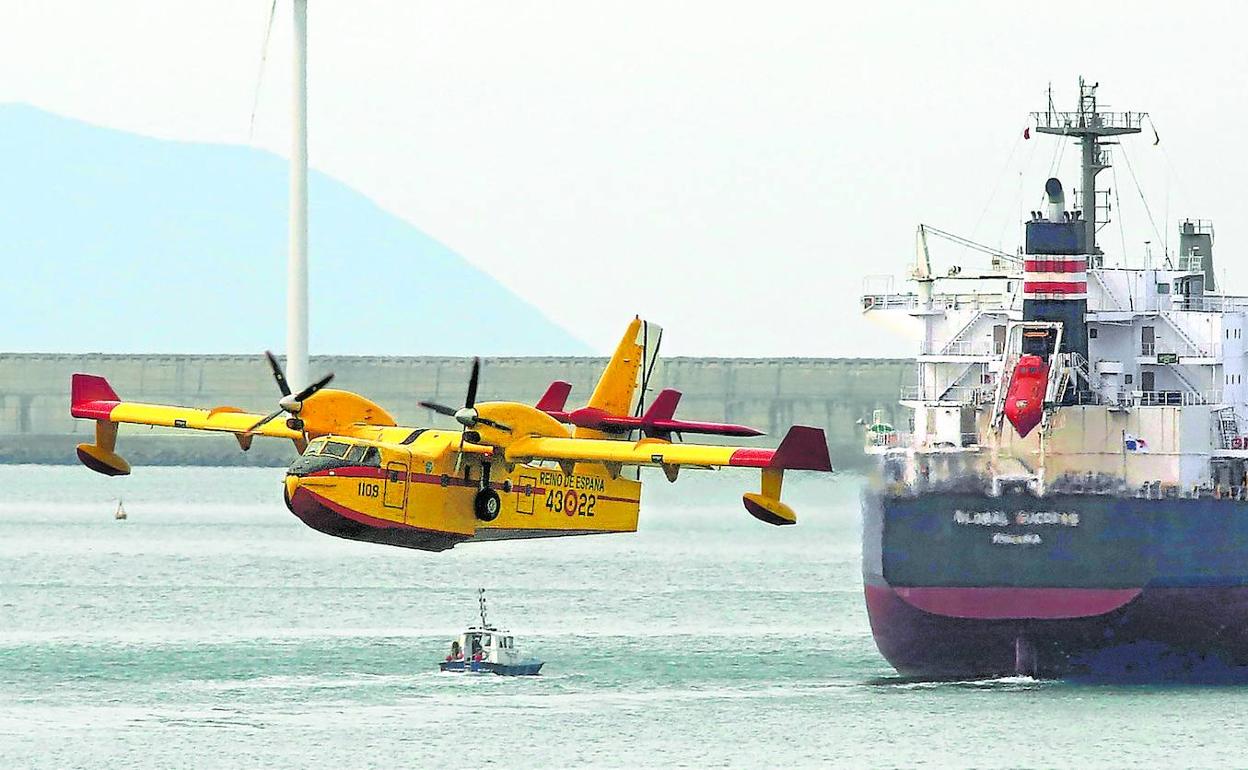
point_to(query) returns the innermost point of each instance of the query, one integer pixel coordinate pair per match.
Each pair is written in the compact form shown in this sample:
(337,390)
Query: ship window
(1163,288)
(335,449)
(1092,334)
(1128,378)
(356,454)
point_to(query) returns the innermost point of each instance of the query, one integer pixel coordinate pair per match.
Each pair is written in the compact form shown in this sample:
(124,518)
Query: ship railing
(964,301)
(1212,304)
(889,301)
(964,348)
(1081,119)
(959,394)
(1132,398)
(888,439)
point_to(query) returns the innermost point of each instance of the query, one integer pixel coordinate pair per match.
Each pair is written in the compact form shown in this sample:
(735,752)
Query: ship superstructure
(1075,451)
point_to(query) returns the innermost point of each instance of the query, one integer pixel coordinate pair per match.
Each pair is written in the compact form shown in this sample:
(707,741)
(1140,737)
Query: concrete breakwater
(768,393)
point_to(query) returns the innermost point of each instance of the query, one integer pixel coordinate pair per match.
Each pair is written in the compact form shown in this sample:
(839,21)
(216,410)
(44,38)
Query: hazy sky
(731,171)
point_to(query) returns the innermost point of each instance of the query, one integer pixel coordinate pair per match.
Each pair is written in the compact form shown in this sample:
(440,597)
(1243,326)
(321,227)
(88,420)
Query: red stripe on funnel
(1055,287)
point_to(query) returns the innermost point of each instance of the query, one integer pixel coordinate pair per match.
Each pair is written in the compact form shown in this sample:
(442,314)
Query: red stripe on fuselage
(752,458)
(93,410)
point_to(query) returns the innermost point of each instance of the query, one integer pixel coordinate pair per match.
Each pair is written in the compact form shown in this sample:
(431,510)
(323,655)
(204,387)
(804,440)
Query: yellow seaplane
(510,471)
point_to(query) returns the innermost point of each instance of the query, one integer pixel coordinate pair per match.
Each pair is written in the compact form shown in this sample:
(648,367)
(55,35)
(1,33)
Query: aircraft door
(396,484)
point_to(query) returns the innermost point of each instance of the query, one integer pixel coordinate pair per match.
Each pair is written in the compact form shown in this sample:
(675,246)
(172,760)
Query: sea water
(212,629)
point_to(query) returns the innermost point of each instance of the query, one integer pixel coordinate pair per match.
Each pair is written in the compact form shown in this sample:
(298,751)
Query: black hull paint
(1138,590)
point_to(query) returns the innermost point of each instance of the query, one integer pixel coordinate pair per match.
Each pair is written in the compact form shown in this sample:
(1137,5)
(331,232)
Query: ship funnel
(1057,199)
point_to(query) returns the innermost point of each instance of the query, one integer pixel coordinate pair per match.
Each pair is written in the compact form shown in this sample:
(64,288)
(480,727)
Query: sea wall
(768,393)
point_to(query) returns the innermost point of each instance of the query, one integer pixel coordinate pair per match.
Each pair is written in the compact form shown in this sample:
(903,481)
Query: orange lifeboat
(1024,401)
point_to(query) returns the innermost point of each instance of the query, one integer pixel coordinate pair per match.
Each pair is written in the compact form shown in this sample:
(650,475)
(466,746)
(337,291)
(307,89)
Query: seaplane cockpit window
(315,447)
(372,457)
(356,455)
(335,449)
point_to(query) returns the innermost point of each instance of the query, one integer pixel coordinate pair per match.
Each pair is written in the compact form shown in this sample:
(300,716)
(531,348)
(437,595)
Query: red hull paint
(331,518)
(1186,634)
(1001,603)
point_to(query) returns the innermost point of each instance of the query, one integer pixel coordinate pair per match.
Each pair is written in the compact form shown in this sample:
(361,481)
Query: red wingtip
(91,396)
(803,449)
(555,399)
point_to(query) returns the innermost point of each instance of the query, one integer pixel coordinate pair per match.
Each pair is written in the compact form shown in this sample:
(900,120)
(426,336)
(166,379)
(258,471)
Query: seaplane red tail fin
(91,396)
(555,399)
(803,449)
(663,407)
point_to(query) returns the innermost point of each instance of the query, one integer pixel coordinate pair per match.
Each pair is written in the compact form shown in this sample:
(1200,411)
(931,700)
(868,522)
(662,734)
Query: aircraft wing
(93,398)
(803,448)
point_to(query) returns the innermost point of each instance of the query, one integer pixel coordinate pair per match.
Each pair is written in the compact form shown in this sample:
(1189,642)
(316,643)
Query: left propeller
(291,403)
(468,416)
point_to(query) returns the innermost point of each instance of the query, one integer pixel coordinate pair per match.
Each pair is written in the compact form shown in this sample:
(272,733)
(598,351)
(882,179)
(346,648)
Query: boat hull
(963,586)
(528,668)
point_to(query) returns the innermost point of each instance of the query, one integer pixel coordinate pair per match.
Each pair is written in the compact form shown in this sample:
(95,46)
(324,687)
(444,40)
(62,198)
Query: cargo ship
(1068,498)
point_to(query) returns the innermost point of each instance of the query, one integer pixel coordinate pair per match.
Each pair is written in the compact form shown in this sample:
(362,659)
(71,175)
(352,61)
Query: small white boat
(484,649)
(120,514)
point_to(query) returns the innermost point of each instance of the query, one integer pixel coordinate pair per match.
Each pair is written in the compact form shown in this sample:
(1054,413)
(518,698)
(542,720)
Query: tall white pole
(297,265)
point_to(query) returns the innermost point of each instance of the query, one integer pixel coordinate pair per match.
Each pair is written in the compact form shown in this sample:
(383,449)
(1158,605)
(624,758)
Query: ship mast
(1089,125)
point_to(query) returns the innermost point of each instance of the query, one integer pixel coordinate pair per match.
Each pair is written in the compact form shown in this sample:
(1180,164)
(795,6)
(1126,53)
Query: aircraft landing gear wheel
(486,505)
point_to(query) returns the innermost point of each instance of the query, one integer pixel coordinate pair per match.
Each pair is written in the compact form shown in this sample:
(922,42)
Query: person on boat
(456,652)
(476,649)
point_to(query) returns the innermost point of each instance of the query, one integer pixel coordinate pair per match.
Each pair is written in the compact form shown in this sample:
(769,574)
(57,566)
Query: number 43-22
(570,502)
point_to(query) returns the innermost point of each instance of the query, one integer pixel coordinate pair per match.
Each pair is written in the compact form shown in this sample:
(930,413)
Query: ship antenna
(1089,125)
(481,603)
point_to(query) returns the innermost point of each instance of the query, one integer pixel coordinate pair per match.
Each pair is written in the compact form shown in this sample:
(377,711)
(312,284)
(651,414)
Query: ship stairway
(1003,383)
(952,346)
(1228,426)
(950,392)
(1193,348)
(1107,291)
(1178,374)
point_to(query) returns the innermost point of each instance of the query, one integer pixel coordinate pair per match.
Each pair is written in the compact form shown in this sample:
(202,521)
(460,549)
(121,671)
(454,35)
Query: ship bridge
(1150,352)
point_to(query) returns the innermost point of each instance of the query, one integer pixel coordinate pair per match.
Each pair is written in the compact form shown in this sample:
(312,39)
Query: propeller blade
(278,374)
(263,421)
(472,384)
(442,410)
(314,387)
(493,424)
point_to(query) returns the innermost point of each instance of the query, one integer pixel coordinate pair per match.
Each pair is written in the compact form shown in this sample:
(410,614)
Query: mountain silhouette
(121,243)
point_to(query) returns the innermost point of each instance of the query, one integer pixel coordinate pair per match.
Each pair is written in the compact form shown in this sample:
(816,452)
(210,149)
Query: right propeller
(467,416)
(290,403)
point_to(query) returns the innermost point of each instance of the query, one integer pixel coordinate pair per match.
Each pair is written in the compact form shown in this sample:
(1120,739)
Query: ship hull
(964,586)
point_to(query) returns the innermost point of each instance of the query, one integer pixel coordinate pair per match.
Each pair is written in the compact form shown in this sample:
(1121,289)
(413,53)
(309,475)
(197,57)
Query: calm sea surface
(213,629)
